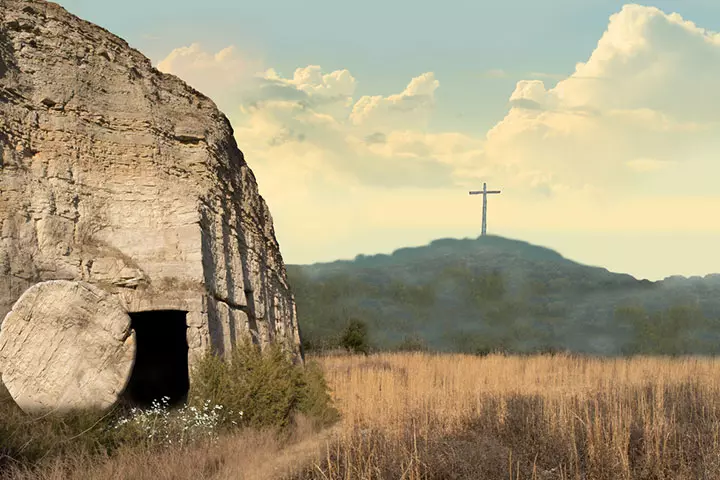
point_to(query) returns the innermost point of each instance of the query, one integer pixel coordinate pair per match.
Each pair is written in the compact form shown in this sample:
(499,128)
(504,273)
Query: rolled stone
(65,346)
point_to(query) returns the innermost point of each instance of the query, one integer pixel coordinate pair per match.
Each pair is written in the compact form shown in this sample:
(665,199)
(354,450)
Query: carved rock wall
(118,175)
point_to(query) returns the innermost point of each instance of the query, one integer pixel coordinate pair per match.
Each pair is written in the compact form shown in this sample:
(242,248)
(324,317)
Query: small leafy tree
(355,337)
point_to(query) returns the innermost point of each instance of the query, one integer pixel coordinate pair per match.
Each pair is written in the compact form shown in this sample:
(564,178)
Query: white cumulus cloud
(223,75)
(648,91)
(642,112)
(409,109)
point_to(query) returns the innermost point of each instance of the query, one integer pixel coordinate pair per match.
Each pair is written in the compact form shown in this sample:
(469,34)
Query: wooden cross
(484,193)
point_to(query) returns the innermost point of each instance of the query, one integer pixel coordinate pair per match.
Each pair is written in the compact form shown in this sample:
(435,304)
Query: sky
(367,124)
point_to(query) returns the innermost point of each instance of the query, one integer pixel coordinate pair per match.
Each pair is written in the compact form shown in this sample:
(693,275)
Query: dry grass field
(416,416)
(424,416)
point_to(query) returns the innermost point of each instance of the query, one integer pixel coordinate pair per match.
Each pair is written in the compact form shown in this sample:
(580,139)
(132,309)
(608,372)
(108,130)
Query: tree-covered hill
(475,295)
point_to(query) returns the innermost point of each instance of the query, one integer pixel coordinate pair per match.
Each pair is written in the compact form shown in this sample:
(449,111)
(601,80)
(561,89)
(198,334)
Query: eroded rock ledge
(118,175)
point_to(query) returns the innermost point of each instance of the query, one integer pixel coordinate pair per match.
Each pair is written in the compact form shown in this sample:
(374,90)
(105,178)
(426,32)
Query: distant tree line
(366,313)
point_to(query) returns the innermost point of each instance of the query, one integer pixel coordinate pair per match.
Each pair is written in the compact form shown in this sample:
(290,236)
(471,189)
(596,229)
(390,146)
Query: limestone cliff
(118,175)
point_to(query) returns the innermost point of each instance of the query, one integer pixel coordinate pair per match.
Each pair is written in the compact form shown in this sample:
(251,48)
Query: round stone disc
(65,346)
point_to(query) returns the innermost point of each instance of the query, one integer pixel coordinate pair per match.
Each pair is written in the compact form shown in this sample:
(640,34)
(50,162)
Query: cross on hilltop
(484,192)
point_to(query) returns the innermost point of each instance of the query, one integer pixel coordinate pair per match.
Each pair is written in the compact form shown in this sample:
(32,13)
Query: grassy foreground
(251,416)
(416,416)
(425,416)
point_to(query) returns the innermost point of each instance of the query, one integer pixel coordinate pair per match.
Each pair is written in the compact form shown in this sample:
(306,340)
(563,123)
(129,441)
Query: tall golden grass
(248,455)
(510,417)
(424,416)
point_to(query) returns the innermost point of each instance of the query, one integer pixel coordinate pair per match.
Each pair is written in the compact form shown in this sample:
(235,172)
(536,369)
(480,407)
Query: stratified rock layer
(121,176)
(66,345)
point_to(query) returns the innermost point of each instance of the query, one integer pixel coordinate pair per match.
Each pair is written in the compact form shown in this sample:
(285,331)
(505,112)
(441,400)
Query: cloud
(640,114)
(311,80)
(648,91)
(310,126)
(531,95)
(648,59)
(409,109)
(377,137)
(372,140)
(330,93)
(224,75)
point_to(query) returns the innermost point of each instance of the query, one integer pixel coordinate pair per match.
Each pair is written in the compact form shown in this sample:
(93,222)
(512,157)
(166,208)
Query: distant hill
(476,295)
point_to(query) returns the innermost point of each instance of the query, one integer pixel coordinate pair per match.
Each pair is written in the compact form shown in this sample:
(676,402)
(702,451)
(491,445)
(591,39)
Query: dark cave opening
(161,359)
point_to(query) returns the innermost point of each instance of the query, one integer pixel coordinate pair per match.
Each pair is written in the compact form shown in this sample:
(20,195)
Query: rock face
(123,177)
(66,345)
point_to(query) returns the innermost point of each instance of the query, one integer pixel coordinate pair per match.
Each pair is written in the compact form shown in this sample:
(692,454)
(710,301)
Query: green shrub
(315,401)
(355,337)
(262,389)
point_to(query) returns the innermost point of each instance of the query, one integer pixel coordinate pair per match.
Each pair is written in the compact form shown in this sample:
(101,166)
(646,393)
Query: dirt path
(271,465)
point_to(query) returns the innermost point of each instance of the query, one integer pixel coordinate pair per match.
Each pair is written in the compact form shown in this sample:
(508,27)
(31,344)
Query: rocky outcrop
(115,174)
(66,345)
